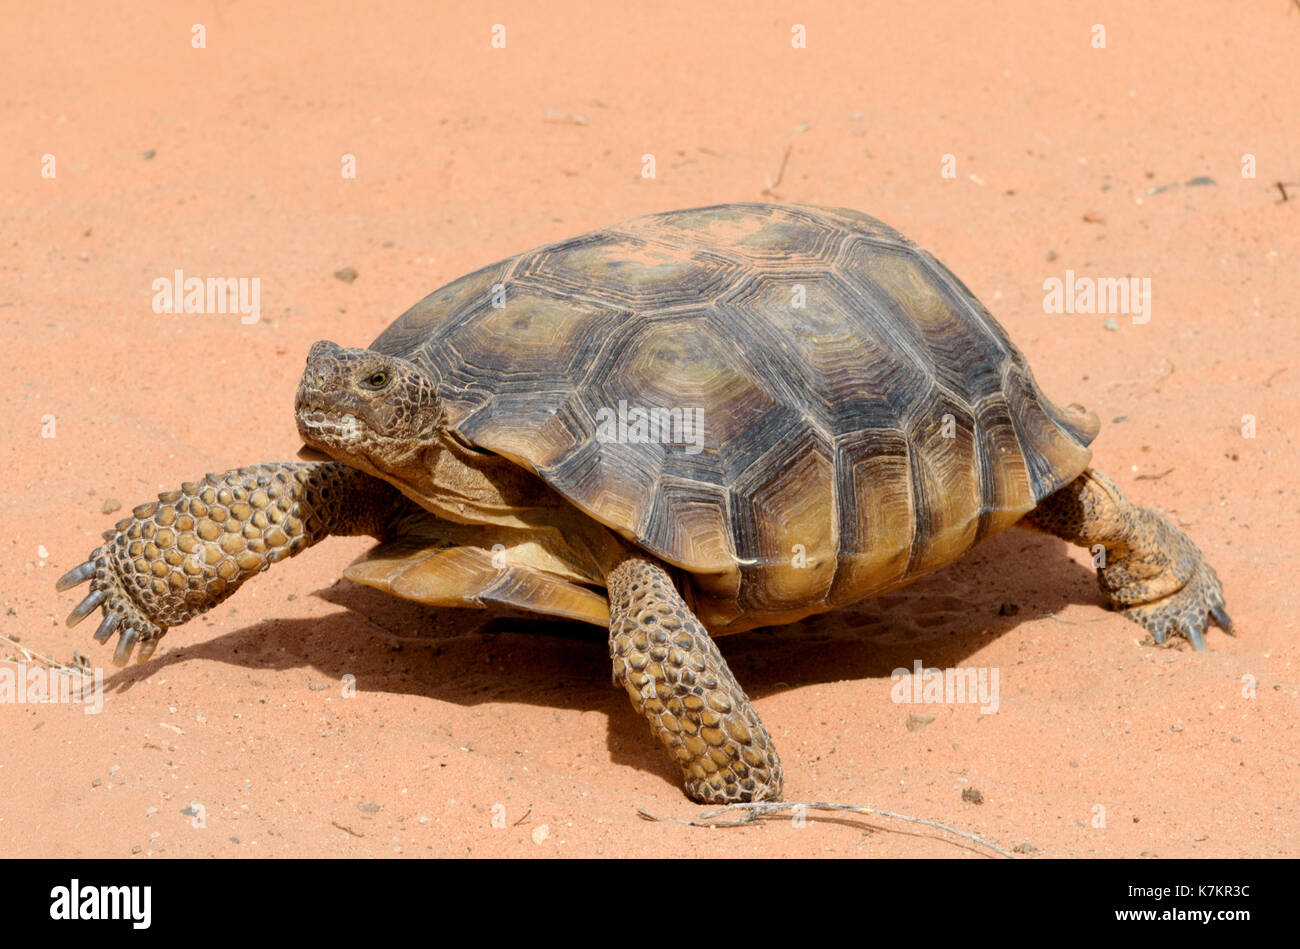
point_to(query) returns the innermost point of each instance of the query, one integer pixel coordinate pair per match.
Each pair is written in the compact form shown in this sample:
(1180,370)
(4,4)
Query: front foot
(1186,612)
(182,555)
(108,589)
(675,676)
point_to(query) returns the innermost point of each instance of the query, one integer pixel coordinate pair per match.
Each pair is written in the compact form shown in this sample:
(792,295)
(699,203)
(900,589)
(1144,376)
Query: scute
(636,274)
(864,418)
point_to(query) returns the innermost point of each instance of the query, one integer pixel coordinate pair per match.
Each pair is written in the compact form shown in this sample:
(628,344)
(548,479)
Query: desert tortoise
(685,425)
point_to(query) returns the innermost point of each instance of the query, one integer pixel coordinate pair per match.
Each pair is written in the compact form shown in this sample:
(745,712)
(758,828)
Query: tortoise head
(366,409)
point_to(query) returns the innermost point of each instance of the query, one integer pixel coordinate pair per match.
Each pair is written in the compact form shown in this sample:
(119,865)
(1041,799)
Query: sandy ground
(226,160)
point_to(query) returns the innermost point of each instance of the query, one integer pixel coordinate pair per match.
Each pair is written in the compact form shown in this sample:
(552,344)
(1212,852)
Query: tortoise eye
(377,379)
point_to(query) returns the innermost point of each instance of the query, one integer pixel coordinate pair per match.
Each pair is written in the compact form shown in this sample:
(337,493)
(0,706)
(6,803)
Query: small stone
(540,833)
(916,722)
(1110,324)
(1051,256)
(96,782)
(1119,418)
(110,505)
(1024,848)
(972,796)
(317,686)
(370,808)
(149,153)
(42,552)
(136,848)
(1175,727)
(347,274)
(1201,181)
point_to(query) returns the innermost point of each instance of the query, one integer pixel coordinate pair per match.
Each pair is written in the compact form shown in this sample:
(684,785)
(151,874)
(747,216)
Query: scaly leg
(1152,573)
(184,554)
(676,677)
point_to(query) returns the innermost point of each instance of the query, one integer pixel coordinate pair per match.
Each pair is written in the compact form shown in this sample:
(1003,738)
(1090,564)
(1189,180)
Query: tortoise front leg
(676,677)
(185,553)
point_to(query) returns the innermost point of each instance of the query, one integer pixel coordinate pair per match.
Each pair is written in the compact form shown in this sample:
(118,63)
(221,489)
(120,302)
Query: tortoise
(682,426)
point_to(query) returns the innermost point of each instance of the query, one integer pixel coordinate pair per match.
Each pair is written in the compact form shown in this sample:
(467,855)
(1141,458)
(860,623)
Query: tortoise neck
(461,483)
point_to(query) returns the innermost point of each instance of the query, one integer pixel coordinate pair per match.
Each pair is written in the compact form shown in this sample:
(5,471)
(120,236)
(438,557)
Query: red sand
(465,154)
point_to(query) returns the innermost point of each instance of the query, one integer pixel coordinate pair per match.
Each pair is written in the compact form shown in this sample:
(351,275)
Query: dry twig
(752,811)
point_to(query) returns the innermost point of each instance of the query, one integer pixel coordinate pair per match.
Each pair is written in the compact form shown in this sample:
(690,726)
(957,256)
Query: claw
(146,650)
(1159,635)
(78,574)
(122,655)
(1198,641)
(106,627)
(86,606)
(1222,618)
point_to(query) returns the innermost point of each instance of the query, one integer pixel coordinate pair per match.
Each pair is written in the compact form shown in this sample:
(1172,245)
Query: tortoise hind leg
(676,677)
(1151,571)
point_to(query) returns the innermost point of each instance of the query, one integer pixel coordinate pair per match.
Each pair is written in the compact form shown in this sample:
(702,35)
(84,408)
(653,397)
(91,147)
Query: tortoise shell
(864,418)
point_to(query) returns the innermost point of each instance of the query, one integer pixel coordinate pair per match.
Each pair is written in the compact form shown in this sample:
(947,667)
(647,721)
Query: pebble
(1110,324)
(347,274)
(540,833)
(916,722)
(110,505)
(972,796)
